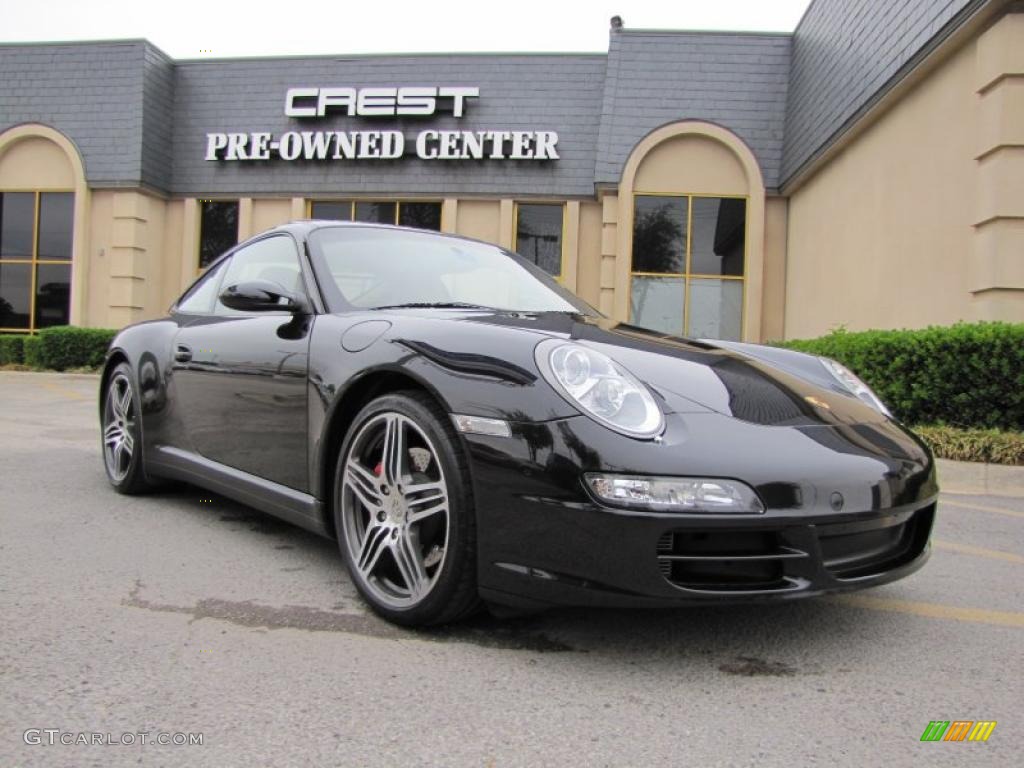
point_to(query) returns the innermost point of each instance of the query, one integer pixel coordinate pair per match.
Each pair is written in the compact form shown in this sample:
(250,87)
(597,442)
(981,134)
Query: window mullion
(686,276)
(35,266)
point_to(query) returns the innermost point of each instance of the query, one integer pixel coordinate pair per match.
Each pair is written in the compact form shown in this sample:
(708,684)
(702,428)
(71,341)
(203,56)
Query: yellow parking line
(967,549)
(980,508)
(934,610)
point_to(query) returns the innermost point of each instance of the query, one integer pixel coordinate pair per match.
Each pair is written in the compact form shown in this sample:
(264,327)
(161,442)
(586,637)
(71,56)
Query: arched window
(690,234)
(36,234)
(40,178)
(688,264)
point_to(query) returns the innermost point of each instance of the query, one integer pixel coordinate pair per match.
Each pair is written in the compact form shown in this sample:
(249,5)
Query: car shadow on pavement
(733,637)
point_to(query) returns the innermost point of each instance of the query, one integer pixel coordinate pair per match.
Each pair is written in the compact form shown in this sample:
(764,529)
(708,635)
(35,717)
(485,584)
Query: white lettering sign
(377,102)
(428,144)
(383,145)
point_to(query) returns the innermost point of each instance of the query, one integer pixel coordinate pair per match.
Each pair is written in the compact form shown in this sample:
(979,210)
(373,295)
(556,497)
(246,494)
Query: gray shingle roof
(92,93)
(139,117)
(844,53)
(738,81)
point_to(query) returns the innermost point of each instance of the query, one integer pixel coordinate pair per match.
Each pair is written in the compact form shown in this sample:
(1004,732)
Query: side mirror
(262,296)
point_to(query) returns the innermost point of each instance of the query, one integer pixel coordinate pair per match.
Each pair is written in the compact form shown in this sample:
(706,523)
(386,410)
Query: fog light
(675,494)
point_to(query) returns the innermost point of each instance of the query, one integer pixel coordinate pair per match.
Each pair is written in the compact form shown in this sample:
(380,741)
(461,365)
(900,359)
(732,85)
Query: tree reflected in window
(688,265)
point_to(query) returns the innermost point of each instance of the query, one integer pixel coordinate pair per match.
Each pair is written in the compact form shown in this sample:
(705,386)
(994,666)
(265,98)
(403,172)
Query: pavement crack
(749,666)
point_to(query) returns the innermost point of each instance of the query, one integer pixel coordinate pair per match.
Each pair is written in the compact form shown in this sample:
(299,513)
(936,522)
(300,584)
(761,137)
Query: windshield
(376,268)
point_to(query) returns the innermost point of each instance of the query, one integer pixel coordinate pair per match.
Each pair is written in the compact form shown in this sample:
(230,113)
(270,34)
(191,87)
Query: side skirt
(293,506)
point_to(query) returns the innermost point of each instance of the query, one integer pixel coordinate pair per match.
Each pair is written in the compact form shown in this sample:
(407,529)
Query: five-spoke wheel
(402,514)
(121,432)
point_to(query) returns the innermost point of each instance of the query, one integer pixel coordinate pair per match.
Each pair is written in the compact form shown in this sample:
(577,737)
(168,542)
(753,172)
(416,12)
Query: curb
(976,479)
(54,374)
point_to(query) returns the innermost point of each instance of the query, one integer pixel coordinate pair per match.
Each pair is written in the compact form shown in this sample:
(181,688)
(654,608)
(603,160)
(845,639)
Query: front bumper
(543,540)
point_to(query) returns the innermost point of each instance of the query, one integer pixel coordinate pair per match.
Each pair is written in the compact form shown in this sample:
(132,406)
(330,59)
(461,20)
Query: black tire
(381,517)
(119,418)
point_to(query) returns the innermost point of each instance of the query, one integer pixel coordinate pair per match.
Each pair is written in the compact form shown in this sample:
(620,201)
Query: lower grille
(726,560)
(853,550)
(785,559)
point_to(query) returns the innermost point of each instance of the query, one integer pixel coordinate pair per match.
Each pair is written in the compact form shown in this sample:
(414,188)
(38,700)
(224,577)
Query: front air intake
(726,560)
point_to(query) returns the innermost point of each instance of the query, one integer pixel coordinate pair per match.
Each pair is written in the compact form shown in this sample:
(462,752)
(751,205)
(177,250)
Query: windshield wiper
(433,305)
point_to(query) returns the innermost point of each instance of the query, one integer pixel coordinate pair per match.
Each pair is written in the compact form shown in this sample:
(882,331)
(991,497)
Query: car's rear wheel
(403,511)
(122,432)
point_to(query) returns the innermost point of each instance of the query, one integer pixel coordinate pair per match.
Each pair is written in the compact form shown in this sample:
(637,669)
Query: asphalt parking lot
(184,612)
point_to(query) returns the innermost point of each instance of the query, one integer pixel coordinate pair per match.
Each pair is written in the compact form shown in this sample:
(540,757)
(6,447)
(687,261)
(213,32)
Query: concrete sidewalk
(980,479)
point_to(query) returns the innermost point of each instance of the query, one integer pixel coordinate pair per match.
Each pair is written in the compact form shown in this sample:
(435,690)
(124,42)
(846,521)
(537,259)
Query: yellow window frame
(687,276)
(34,261)
(515,230)
(352,205)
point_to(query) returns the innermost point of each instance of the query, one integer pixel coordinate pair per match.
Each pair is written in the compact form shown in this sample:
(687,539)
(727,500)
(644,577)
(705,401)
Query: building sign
(406,101)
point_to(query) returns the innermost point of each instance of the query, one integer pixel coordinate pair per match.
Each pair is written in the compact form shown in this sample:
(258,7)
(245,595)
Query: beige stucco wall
(588,263)
(171,282)
(36,164)
(480,219)
(692,164)
(101,225)
(996,267)
(773,306)
(268,212)
(916,221)
(128,275)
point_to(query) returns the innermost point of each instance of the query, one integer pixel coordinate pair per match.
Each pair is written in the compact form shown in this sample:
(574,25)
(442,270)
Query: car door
(239,378)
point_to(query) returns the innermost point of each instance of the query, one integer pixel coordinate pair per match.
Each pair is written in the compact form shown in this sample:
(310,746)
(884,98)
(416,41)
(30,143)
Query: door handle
(182,354)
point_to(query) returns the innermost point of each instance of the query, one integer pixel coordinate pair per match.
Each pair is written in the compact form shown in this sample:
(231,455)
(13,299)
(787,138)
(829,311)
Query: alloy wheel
(119,427)
(395,509)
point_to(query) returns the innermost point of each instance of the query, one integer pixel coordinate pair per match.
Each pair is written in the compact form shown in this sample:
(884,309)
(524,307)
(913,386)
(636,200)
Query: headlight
(851,382)
(600,387)
(676,494)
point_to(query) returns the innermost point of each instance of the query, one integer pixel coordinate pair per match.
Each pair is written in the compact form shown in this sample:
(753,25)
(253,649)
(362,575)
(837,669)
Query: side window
(200,297)
(273,258)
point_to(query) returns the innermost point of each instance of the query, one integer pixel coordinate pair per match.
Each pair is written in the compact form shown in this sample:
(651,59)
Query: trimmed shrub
(31,348)
(984,445)
(67,346)
(966,375)
(12,349)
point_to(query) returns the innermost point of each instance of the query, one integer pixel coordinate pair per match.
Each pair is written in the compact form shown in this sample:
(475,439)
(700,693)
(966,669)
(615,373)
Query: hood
(762,385)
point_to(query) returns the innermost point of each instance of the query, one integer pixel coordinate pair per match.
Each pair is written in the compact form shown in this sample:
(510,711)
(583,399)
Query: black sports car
(470,431)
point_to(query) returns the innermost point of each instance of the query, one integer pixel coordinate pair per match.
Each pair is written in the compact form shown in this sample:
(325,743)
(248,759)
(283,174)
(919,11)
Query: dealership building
(865,171)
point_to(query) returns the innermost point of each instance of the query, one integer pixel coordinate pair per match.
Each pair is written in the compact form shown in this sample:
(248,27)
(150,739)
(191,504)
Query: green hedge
(31,349)
(985,445)
(12,349)
(71,347)
(57,348)
(967,375)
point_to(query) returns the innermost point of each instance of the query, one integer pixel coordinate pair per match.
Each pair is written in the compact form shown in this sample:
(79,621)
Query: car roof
(306,226)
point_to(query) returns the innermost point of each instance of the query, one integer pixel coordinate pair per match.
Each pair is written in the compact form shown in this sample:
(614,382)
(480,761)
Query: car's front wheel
(122,432)
(403,512)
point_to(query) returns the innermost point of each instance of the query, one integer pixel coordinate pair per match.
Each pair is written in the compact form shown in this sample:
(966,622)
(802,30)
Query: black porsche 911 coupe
(470,432)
